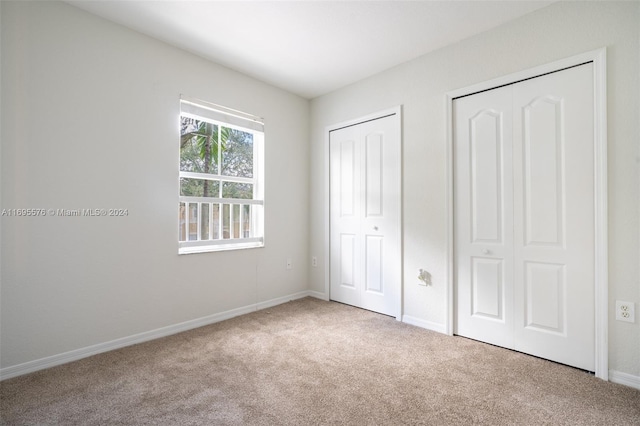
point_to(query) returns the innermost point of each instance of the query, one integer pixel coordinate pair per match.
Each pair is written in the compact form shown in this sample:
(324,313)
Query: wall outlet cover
(625,311)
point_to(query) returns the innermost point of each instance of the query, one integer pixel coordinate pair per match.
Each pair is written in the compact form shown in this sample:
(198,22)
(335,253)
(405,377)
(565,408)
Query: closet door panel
(554,217)
(483,221)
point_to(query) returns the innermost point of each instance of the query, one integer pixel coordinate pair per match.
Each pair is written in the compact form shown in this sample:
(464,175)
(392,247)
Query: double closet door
(365,189)
(524,216)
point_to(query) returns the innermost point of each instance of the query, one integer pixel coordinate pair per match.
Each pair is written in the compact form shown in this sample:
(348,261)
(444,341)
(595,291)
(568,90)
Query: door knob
(375,228)
(485,251)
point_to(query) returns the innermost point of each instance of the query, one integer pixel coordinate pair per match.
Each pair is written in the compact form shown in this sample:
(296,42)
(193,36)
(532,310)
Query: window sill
(228,245)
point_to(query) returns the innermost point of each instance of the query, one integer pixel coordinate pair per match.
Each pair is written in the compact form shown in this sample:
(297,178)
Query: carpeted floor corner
(311,362)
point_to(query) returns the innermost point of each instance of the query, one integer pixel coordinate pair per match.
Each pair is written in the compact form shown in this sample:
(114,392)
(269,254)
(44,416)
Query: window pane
(237,154)
(198,146)
(246,221)
(236,221)
(225,221)
(237,190)
(199,187)
(205,217)
(216,221)
(181,215)
(193,221)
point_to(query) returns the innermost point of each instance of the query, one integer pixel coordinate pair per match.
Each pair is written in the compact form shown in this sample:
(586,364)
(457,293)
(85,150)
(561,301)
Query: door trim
(397,112)
(599,59)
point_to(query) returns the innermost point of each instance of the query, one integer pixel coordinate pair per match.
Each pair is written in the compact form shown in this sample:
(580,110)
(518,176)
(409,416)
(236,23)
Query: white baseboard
(319,295)
(433,326)
(281,300)
(76,354)
(624,379)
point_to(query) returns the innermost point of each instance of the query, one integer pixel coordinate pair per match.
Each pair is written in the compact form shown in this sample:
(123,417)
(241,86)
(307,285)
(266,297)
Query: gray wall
(90,120)
(555,32)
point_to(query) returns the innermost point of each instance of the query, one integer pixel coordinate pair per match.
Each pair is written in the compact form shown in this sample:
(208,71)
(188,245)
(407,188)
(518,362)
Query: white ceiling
(310,47)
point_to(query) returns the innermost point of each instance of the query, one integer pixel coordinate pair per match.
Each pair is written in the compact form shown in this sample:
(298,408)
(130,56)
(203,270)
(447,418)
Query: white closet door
(484,216)
(525,216)
(554,217)
(345,216)
(365,215)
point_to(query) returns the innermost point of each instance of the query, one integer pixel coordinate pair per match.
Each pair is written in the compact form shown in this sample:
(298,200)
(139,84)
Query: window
(221,178)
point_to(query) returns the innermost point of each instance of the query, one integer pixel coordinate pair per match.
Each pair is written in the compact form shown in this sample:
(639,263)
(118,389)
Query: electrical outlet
(289,263)
(314,261)
(625,311)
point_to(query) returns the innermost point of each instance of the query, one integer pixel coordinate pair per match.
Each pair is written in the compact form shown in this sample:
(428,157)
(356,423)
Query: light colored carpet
(310,362)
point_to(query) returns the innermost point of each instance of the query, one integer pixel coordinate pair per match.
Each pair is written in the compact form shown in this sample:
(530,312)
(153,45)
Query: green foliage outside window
(217,150)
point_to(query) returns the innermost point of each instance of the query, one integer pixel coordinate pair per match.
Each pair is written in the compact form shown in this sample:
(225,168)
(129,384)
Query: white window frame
(224,117)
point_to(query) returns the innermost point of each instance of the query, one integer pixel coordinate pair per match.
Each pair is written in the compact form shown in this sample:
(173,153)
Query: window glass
(220,179)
